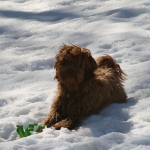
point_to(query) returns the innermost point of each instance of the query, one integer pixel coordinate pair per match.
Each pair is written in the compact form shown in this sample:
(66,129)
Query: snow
(31,33)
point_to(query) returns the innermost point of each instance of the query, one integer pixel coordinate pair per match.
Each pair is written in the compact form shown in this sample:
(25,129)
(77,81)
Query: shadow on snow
(46,16)
(113,119)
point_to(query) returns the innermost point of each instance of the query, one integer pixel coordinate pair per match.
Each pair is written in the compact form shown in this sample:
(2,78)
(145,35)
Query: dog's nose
(69,71)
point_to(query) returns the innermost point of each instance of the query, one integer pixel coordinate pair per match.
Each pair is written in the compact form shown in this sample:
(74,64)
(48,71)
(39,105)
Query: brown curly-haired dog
(85,86)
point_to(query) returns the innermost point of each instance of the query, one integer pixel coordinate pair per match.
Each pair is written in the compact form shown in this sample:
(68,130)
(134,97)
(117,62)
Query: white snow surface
(31,33)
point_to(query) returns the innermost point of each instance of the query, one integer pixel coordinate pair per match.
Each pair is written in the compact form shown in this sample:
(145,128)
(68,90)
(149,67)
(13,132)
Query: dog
(85,86)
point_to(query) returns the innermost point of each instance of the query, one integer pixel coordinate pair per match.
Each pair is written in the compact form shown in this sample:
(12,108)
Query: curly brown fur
(85,86)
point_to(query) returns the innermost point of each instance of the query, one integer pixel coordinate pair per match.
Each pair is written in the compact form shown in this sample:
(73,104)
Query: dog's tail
(107,61)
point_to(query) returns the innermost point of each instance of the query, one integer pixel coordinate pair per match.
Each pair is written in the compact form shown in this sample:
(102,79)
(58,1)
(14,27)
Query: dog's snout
(69,71)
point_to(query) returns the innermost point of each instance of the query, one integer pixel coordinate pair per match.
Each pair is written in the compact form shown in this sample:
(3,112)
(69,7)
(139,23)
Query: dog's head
(74,65)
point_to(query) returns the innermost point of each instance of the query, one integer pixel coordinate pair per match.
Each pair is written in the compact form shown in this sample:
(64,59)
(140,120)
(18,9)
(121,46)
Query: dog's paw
(51,120)
(65,124)
(47,122)
(58,126)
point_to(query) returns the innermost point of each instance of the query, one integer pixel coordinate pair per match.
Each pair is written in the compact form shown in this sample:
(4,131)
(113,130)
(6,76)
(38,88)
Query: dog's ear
(56,66)
(89,63)
(56,76)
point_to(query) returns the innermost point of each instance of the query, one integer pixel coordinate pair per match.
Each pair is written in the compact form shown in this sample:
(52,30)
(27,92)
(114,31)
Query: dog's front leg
(55,113)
